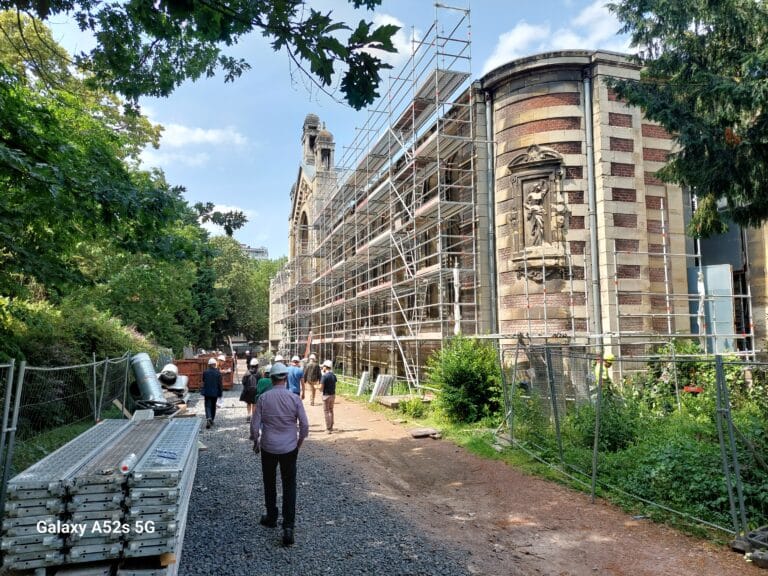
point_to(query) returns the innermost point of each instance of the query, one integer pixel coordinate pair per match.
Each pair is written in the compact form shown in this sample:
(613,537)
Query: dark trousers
(287,463)
(210,407)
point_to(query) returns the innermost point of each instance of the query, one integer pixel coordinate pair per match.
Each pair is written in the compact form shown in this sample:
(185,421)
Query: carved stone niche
(539,214)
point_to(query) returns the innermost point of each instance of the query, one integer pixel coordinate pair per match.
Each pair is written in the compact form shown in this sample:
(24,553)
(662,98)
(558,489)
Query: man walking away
(250,384)
(278,428)
(296,377)
(213,389)
(328,390)
(312,377)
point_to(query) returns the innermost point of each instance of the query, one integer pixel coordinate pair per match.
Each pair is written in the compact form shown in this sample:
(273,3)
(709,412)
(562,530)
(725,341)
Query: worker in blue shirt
(296,377)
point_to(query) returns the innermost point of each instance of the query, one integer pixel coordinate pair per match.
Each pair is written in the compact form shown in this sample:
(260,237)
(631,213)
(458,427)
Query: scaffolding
(394,239)
(647,307)
(388,243)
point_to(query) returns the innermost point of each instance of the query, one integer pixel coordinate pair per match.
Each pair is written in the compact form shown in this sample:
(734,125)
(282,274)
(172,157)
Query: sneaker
(288,537)
(247,418)
(267,521)
(208,423)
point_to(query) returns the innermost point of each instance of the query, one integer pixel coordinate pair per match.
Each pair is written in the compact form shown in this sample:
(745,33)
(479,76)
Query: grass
(38,447)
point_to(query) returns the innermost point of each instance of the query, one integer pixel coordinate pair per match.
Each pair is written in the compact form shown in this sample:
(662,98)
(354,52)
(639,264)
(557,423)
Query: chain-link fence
(44,407)
(684,434)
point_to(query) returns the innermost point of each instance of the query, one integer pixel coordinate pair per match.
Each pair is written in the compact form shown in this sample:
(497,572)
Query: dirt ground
(511,523)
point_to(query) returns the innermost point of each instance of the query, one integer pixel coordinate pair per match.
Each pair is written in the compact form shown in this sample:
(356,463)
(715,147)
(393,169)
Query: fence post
(510,394)
(105,365)
(598,408)
(6,412)
(723,411)
(93,362)
(553,399)
(125,381)
(674,375)
(12,435)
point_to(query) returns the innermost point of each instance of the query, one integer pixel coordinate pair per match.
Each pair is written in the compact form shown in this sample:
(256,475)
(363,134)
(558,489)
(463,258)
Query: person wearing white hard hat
(296,377)
(328,390)
(250,385)
(279,358)
(278,428)
(312,378)
(213,389)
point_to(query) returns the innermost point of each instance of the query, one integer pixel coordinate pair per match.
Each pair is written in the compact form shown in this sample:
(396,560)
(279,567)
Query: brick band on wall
(536,126)
(621,120)
(545,101)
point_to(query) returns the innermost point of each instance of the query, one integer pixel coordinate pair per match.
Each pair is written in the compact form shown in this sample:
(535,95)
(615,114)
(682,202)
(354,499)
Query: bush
(64,335)
(619,425)
(413,408)
(678,463)
(468,375)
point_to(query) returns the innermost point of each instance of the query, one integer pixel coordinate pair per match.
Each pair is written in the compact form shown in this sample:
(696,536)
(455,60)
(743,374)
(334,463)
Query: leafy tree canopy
(149,47)
(230,221)
(705,79)
(244,283)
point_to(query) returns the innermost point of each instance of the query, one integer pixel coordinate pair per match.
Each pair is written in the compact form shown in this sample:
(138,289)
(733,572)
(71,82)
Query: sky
(238,144)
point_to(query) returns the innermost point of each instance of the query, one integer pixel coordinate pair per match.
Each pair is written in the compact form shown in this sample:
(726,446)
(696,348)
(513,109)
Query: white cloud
(156,158)
(178,135)
(177,142)
(592,28)
(402,40)
(522,40)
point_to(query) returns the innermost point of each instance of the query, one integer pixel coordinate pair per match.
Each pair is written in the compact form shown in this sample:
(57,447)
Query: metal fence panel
(44,407)
(555,412)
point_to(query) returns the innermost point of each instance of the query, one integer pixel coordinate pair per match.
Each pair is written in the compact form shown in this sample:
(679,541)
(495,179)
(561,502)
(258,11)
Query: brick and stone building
(527,203)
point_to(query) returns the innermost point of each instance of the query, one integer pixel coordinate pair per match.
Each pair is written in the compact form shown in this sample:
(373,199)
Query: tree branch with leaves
(705,79)
(149,47)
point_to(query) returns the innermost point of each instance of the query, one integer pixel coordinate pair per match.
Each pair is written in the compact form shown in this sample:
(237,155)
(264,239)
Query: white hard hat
(295,359)
(211,361)
(279,358)
(254,362)
(222,357)
(328,364)
(170,369)
(267,369)
(312,357)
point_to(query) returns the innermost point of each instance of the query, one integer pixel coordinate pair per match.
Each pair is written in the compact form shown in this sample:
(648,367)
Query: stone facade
(542,182)
(534,259)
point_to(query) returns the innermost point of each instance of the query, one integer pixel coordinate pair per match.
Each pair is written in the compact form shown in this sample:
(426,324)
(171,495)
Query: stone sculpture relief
(536,213)
(538,218)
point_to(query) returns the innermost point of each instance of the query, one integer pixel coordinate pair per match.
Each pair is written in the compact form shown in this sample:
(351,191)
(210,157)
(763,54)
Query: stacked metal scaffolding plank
(97,495)
(159,489)
(118,491)
(37,500)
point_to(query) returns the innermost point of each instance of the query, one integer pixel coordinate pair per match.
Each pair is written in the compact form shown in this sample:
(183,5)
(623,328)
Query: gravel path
(340,528)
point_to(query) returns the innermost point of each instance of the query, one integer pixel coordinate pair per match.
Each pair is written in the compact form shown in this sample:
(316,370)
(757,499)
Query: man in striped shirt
(278,428)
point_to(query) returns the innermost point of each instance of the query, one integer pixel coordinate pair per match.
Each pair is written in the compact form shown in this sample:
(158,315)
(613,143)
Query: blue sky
(238,144)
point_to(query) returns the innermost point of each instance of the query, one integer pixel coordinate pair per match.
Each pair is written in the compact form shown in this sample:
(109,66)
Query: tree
(230,221)
(149,47)
(245,289)
(705,79)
